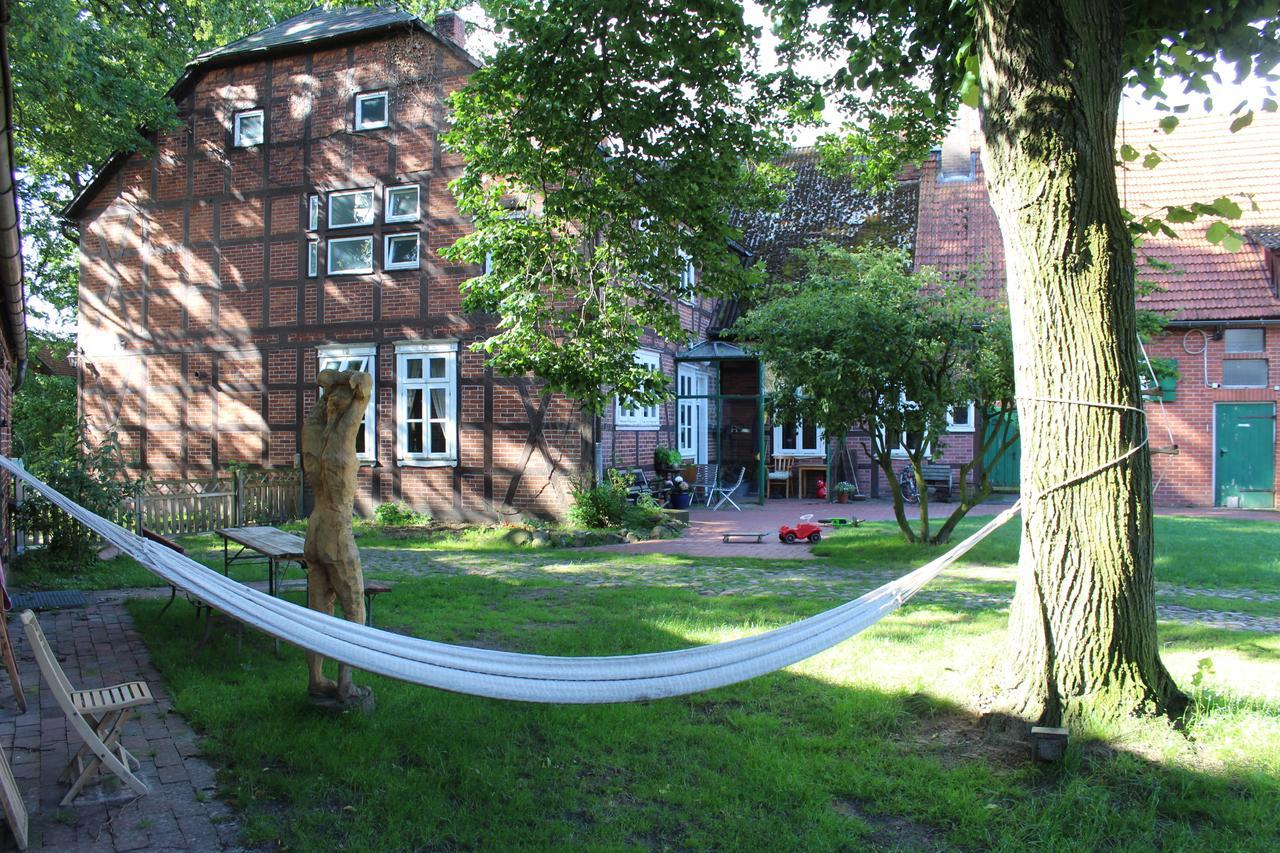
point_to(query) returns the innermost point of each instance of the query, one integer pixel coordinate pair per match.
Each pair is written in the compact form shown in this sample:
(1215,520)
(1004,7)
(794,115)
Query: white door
(691,414)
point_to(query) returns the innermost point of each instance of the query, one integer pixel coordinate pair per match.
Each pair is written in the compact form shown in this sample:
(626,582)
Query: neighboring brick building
(13,325)
(294,221)
(1223,307)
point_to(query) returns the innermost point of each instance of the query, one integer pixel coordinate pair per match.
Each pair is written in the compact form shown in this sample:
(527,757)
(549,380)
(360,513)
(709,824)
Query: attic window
(371,111)
(249,129)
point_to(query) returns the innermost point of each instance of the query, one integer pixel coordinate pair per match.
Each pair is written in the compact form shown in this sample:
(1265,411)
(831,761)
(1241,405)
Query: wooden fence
(177,507)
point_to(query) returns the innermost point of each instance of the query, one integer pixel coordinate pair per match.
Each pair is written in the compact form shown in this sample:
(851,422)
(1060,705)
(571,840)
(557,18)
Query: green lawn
(873,743)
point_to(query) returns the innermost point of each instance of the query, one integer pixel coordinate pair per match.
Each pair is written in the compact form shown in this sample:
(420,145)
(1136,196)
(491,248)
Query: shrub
(399,515)
(93,475)
(602,505)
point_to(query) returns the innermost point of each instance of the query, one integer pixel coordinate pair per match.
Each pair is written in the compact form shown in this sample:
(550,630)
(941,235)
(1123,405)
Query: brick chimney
(450,25)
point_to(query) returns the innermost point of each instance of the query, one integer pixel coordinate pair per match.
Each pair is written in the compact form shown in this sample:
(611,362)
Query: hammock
(510,675)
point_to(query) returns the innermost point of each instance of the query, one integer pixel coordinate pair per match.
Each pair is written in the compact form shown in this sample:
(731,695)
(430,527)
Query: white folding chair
(726,492)
(97,716)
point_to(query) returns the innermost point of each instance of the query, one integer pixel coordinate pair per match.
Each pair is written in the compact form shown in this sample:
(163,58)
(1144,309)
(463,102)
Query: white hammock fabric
(510,675)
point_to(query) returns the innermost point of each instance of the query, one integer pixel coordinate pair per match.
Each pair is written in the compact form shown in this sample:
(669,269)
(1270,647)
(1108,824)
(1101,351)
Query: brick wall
(1187,479)
(200,327)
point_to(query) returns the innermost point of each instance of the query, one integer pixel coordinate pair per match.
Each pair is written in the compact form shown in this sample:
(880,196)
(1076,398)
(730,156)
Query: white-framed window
(351,256)
(1244,372)
(372,110)
(400,252)
(403,204)
(248,128)
(799,440)
(357,357)
(313,212)
(688,279)
(691,412)
(1245,340)
(960,418)
(426,403)
(630,415)
(351,208)
(313,258)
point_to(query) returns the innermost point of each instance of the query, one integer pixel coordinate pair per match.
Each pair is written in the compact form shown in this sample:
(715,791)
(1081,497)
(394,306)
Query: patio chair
(639,485)
(781,473)
(705,481)
(97,716)
(726,492)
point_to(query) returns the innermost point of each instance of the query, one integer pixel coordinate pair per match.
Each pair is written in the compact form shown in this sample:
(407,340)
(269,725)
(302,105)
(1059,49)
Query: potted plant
(843,491)
(681,497)
(666,459)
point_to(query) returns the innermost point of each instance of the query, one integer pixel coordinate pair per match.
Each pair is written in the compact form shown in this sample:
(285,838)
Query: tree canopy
(863,341)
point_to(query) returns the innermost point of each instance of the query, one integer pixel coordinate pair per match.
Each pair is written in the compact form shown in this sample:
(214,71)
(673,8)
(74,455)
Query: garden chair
(705,481)
(639,485)
(781,473)
(97,716)
(726,492)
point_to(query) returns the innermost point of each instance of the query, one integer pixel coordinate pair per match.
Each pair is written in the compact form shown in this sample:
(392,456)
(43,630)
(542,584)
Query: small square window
(1245,340)
(349,209)
(401,252)
(313,258)
(371,111)
(402,204)
(249,129)
(351,256)
(313,213)
(1244,373)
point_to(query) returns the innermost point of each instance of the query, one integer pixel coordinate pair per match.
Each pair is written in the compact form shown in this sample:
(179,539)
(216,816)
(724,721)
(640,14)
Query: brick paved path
(98,646)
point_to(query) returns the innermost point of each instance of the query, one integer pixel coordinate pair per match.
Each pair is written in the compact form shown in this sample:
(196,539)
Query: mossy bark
(1082,628)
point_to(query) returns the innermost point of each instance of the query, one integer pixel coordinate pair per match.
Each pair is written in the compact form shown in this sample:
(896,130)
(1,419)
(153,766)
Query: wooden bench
(747,534)
(940,478)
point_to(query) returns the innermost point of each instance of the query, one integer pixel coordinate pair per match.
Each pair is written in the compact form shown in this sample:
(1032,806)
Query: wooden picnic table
(261,544)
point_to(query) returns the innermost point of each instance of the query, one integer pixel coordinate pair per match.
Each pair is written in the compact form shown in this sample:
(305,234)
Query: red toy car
(806,529)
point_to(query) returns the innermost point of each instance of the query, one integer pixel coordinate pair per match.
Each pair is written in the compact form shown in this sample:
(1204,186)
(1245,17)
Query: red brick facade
(201,327)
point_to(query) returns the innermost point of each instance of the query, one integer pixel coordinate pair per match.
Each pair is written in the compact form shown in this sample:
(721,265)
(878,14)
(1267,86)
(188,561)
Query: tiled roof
(1200,162)
(818,207)
(315,24)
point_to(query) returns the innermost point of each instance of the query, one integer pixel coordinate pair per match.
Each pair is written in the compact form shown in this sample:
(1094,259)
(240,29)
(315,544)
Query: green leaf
(1217,232)
(1128,153)
(1151,160)
(1226,207)
(1169,123)
(1242,121)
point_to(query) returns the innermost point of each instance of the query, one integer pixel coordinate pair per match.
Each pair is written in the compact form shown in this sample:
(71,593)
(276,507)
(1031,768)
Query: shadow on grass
(824,758)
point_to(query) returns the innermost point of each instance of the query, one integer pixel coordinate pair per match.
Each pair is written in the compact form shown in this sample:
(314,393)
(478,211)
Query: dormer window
(372,111)
(248,129)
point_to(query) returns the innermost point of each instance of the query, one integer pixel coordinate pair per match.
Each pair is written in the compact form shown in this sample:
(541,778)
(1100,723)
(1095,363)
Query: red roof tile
(1201,161)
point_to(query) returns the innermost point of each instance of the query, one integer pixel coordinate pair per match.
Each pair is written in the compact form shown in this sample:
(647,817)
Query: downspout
(13,311)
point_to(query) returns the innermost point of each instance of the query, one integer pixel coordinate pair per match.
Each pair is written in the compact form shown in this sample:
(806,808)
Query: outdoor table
(807,466)
(261,544)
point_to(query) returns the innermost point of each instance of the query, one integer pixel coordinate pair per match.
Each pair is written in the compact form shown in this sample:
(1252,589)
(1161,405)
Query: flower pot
(681,500)
(842,498)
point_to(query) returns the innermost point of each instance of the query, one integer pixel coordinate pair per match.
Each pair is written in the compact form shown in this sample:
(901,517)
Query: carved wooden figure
(333,561)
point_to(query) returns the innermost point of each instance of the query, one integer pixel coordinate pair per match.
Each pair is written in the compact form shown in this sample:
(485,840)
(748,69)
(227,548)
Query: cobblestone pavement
(98,646)
(810,579)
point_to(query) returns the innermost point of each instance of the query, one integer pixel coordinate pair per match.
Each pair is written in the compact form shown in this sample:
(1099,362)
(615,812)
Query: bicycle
(907,483)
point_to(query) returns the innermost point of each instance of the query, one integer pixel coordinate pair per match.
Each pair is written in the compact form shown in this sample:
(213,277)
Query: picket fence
(177,507)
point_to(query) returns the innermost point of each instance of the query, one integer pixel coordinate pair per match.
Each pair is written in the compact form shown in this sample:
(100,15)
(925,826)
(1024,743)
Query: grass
(873,743)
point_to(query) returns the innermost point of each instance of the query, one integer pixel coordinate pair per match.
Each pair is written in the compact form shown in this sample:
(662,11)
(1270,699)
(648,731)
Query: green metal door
(1245,470)
(1005,472)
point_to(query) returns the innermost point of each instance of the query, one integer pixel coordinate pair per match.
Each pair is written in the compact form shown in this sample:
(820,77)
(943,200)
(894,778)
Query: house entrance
(1245,455)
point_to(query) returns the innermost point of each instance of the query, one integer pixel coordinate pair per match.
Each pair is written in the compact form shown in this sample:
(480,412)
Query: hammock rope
(510,675)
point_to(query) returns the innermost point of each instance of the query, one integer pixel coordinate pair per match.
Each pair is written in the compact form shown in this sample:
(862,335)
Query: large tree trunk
(1082,626)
